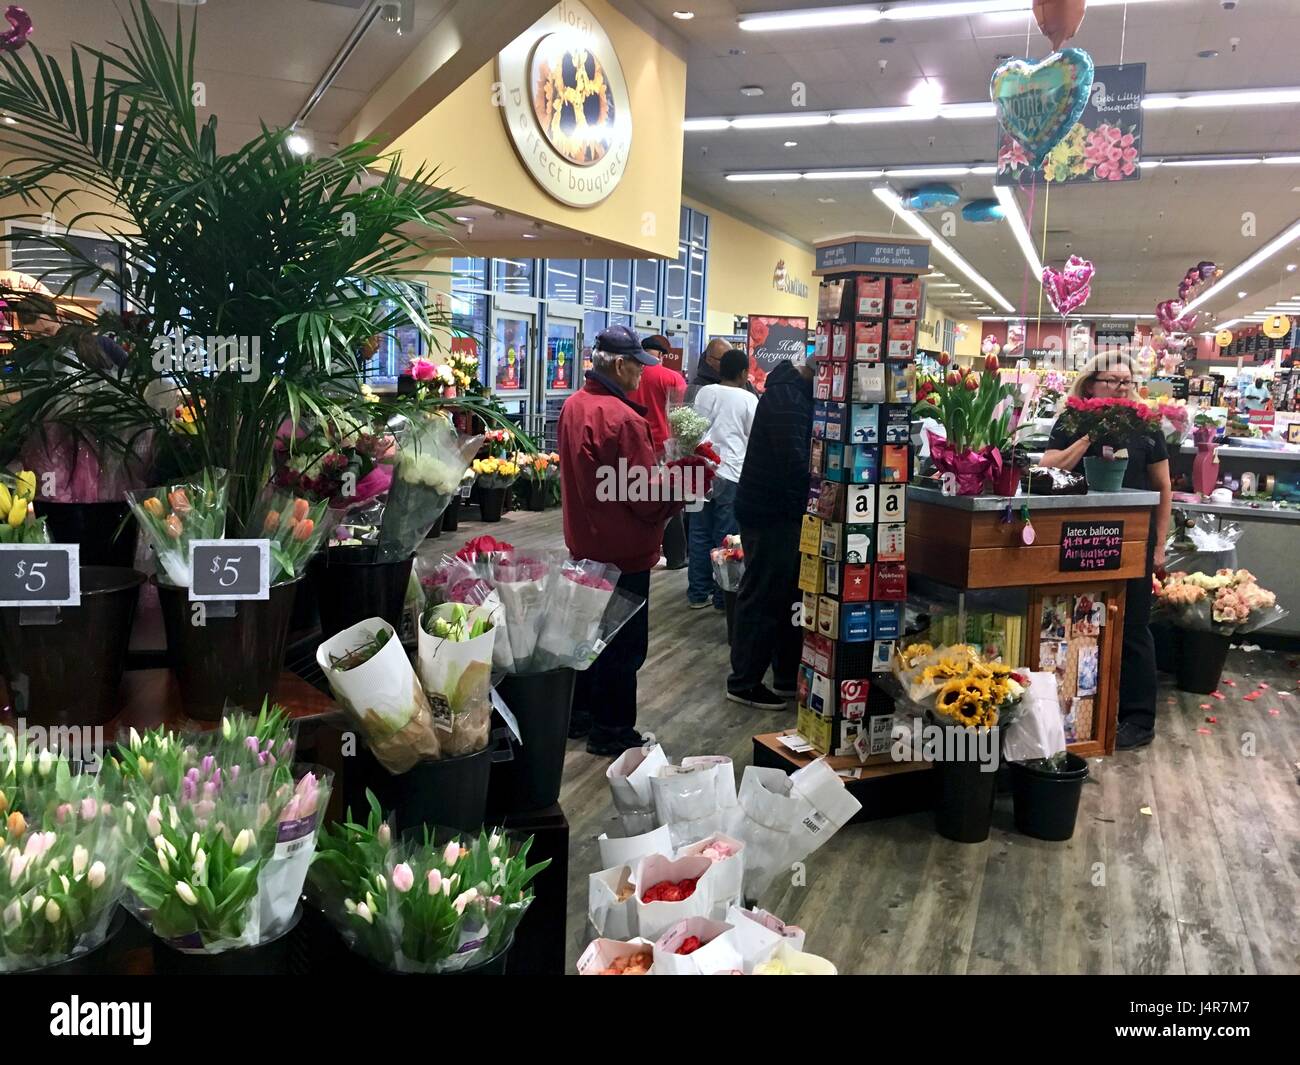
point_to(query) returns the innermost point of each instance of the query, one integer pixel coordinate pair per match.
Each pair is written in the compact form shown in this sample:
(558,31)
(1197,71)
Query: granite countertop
(917,494)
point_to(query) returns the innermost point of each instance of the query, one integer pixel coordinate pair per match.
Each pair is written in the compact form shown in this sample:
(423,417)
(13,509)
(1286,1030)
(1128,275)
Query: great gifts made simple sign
(1088,546)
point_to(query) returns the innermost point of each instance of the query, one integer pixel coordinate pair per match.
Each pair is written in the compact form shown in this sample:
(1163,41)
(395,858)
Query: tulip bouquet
(295,527)
(1228,602)
(430,463)
(456,646)
(432,905)
(18,525)
(495,472)
(65,851)
(174,515)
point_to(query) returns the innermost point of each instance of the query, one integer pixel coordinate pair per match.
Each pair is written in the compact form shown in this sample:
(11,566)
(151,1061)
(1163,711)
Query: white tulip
(52,912)
(242,842)
(186,893)
(43,766)
(97,874)
(80,857)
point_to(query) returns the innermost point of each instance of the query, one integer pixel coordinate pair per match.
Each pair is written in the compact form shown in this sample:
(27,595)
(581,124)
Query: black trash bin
(965,808)
(1201,660)
(1047,802)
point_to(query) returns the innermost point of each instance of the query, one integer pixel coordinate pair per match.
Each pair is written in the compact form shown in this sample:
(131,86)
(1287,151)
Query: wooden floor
(1186,857)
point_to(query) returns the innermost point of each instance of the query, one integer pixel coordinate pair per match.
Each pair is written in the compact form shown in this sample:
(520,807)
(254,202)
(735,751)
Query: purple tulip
(209,790)
(188,790)
(251,744)
(207,764)
(234,773)
(192,774)
(261,757)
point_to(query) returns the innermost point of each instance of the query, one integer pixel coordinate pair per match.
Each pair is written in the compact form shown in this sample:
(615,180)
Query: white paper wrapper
(1039,732)
(725,775)
(629,777)
(655,918)
(573,620)
(460,672)
(796,962)
(628,850)
(609,917)
(728,873)
(758,933)
(279,885)
(601,954)
(719,953)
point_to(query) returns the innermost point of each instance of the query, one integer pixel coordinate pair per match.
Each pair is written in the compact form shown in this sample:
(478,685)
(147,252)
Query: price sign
(1091,545)
(230,569)
(40,575)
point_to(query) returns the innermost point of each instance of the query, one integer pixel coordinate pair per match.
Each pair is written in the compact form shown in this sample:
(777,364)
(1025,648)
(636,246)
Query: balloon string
(1029,23)
(1123,32)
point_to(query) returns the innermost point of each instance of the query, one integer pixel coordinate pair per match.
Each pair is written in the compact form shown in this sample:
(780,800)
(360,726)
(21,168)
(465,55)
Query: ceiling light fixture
(926,98)
(463,218)
(1172,101)
(1240,160)
(1242,295)
(840,175)
(1006,198)
(751,90)
(864,15)
(1246,266)
(792,144)
(922,228)
(825,199)
(763,177)
(780,121)
(684,16)
(297,143)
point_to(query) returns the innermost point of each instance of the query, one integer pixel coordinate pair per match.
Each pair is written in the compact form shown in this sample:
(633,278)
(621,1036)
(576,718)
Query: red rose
(689,945)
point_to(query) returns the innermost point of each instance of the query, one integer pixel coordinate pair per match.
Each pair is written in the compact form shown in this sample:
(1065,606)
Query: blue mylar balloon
(931,198)
(983,211)
(1038,103)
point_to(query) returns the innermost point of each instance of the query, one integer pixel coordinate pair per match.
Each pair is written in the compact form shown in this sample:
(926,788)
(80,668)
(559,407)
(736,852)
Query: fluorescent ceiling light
(1282,160)
(780,121)
(1169,101)
(943,284)
(297,143)
(929,171)
(1224,325)
(1006,198)
(763,177)
(1246,266)
(926,97)
(840,175)
(864,15)
(1246,160)
(922,228)
(702,125)
(983,170)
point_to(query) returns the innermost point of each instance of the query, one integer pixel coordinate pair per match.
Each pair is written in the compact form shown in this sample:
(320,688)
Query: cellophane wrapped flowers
(174,515)
(1227,602)
(958,686)
(430,463)
(66,847)
(687,429)
(728,563)
(436,904)
(18,524)
(295,526)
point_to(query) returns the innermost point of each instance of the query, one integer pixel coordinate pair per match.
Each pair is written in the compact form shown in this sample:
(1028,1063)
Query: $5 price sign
(230,569)
(40,575)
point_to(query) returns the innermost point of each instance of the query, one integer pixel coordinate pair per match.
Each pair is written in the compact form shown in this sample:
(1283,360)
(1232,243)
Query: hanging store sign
(566,105)
(894,256)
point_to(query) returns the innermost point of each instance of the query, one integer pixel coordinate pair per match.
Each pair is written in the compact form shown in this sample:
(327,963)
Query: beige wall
(967,347)
(466,139)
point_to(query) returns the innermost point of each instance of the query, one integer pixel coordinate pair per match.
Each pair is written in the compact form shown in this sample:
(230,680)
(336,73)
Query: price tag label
(40,575)
(230,569)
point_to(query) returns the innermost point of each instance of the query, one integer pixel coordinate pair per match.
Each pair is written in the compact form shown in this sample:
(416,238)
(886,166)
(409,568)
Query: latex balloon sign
(13,39)
(1038,103)
(1068,289)
(1223,337)
(1276,327)
(1059,19)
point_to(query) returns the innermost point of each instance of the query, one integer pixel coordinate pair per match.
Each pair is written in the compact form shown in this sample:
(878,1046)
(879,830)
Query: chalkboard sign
(40,575)
(773,341)
(1091,545)
(230,569)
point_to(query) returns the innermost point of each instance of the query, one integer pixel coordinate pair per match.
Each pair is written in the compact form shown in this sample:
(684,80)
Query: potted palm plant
(262,273)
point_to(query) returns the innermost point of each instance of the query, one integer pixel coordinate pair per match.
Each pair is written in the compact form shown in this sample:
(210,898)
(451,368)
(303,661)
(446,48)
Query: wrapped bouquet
(172,516)
(495,472)
(957,686)
(430,463)
(728,563)
(578,598)
(1227,603)
(295,527)
(687,429)
(18,524)
(455,661)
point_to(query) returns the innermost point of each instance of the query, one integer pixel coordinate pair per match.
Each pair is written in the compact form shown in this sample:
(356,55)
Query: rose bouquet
(431,905)
(498,442)
(1111,422)
(523,582)
(456,646)
(1174,421)
(430,463)
(578,598)
(18,523)
(728,563)
(172,516)
(295,527)
(65,851)
(1228,602)
(348,465)
(495,472)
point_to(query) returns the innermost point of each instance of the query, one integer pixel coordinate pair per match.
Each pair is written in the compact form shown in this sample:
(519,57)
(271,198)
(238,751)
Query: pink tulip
(384,835)
(89,808)
(451,853)
(403,878)
(61,814)
(435,881)
(251,743)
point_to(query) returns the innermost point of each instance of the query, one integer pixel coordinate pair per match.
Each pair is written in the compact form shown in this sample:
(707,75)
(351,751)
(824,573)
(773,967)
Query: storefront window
(699,229)
(468,274)
(675,285)
(620,285)
(646,300)
(469,318)
(562,280)
(695,303)
(53,267)
(595,286)
(514,276)
(592,323)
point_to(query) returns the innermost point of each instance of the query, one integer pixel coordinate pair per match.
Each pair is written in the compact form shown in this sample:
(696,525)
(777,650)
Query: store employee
(1110,376)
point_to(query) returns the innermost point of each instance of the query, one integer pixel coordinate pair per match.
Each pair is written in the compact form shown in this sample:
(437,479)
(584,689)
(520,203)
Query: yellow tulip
(27,485)
(18,513)
(6,500)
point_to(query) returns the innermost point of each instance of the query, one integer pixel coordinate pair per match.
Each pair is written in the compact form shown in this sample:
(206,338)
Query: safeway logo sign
(783,282)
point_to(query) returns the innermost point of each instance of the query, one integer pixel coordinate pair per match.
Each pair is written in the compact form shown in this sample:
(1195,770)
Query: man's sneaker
(697,606)
(613,746)
(786,691)
(759,696)
(1131,734)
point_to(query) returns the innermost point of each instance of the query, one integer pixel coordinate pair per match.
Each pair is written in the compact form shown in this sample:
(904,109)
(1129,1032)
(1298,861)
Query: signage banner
(773,340)
(885,255)
(1104,145)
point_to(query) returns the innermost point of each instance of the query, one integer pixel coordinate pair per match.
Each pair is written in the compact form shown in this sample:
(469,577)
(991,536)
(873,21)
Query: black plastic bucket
(226,661)
(351,587)
(104,960)
(451,516)
(1168,641)
(1200,661)
(965,806)
(541,703)
(68,673)
(491,501)
(273,958)
(106,531)
(1047,803)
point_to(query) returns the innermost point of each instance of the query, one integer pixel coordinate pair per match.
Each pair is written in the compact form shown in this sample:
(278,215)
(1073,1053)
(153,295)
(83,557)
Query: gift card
(866,464)
(904,297)
(900,380)
(889,620)
(890,581)
(853,698)
(857,582)
(840,334)
(818,652)
(815,729)
(810,535)
(803,686)
(860,503)
(897,427)
(825,375)
(893,502)
(871,297)
(814,496)
(830,501)
(816,456)
(856,620)
(902,338)
(858,543)
(810,574)
(891,541)
(808,611)
(894,463)
(830,298)
(828,617)
(839,381)
(829,547)
(883,656)
(849,734)
(833,579)
(869,339)
(869,384)
(822,341)
(864,424)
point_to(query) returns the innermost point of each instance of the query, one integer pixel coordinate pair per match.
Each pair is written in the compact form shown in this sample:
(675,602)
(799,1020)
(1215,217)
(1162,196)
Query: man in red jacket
(658,387)
(615,502)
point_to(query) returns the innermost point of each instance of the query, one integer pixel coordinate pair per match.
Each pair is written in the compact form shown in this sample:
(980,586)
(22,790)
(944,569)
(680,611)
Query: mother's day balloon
(1038,103)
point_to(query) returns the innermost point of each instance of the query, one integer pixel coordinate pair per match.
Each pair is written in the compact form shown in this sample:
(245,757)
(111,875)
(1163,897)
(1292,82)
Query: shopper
(770,502)
(729,406)
(1110,376)
(708,372)
(604,440)
(659,387)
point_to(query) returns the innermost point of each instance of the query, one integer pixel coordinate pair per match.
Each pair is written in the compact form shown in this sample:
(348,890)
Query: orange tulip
(300,508)
(154,506)
(17,824)
(180,501)
(174,527)
(272,520)
(303,529)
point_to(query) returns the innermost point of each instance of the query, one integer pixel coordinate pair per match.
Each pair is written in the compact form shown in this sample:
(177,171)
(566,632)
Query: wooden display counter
(1074,595)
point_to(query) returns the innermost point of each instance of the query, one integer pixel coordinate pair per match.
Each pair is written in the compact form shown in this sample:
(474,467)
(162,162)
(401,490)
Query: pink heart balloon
(1068,289)
(1169,313)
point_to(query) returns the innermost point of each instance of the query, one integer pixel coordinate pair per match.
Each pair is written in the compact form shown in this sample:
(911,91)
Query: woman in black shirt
(1111,377)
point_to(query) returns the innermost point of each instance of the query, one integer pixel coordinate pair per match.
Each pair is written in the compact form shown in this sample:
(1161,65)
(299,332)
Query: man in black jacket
(770,504)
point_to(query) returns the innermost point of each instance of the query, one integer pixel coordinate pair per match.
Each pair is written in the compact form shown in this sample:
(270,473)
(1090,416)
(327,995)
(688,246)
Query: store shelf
(1098,500)
(1232,451)
(1263,512)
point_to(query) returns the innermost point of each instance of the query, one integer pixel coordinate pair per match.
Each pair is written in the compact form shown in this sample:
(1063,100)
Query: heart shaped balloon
(1059,19)
(1169,313)
(13,39)
(1038,103)
(1068,289)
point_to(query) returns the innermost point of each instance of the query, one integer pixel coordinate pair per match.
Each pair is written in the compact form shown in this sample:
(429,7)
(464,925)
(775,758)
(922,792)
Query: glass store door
(561,375)
(510,368)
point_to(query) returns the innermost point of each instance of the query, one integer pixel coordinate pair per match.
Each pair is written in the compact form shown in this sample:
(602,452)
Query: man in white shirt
(729,406)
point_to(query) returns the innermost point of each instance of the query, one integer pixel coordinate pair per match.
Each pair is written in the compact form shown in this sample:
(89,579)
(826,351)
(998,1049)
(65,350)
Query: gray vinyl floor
(1186,857)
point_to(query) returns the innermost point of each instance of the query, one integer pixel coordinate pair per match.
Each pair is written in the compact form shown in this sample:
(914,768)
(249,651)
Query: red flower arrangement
(667,891)
(482,545)
(1111,422)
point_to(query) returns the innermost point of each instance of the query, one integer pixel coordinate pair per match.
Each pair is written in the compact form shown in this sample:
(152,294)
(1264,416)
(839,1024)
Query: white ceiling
(1142,235)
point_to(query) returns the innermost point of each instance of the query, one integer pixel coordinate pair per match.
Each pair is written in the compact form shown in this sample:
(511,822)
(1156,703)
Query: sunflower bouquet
(958,686)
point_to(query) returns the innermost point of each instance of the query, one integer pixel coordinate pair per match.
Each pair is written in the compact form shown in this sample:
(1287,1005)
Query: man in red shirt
(660,386)
(615,503)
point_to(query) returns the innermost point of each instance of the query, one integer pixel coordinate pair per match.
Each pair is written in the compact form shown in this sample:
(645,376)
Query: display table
(1036,605)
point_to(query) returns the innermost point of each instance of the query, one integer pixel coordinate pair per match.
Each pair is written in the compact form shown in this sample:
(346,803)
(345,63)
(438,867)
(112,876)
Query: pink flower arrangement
(589,580)
(1239,604)
(1110,152)
(1011,154)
